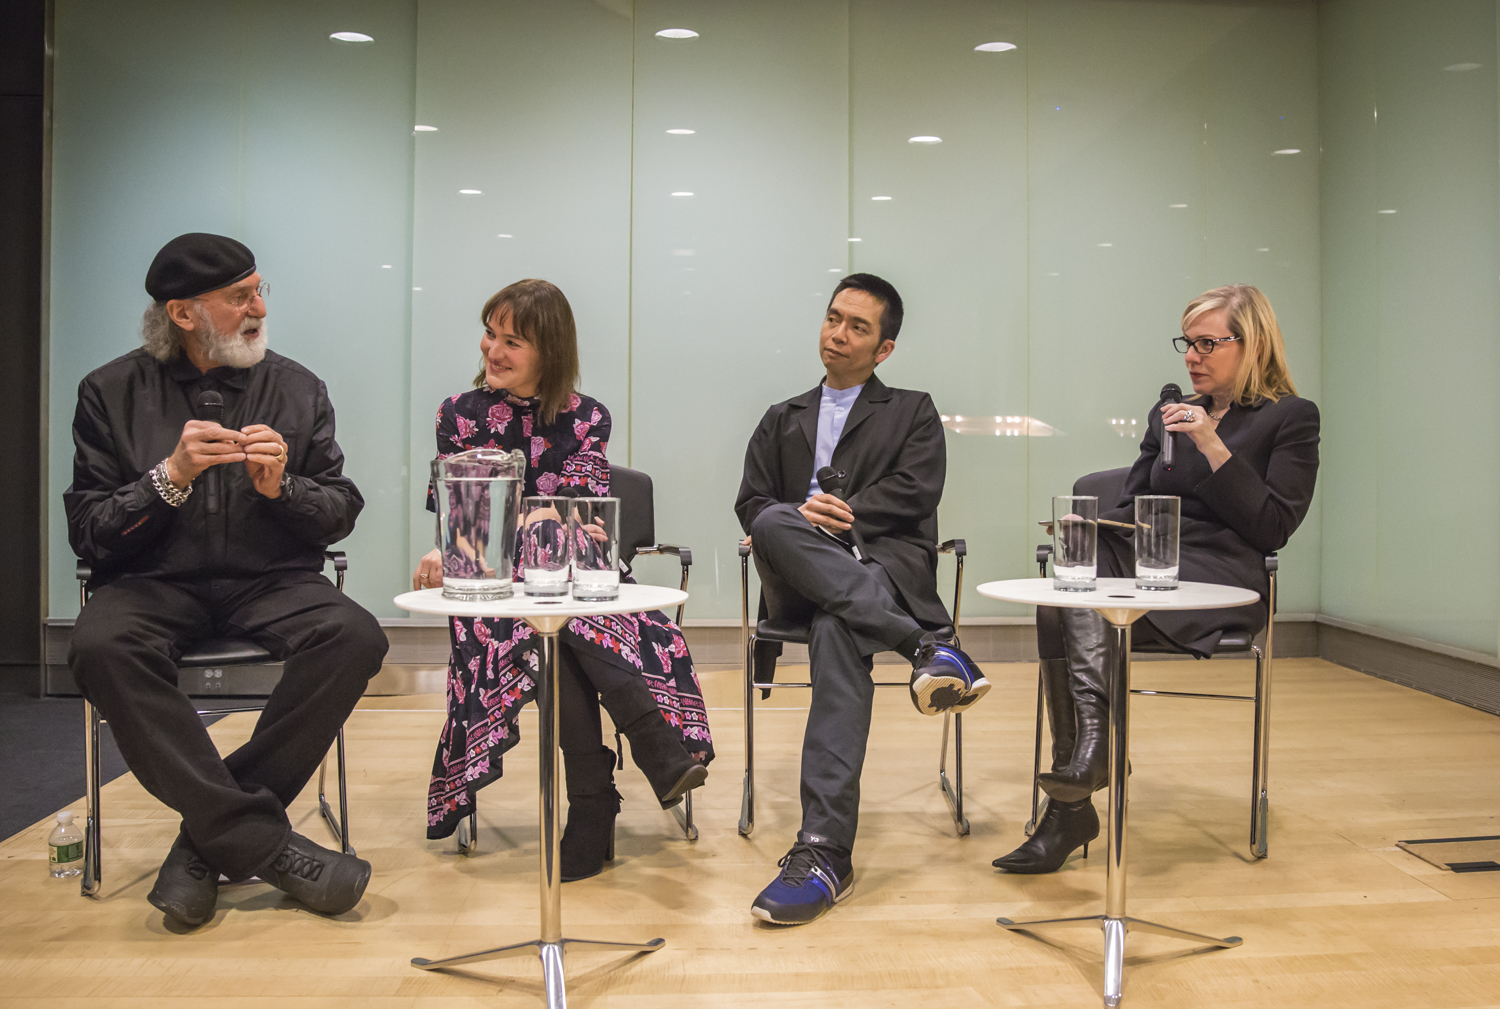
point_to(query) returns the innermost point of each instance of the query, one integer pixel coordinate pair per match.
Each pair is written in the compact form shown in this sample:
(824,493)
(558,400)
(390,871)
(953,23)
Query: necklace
(1220,416)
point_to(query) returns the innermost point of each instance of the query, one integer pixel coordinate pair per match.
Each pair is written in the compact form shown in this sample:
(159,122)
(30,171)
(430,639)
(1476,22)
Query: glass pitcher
(478,498)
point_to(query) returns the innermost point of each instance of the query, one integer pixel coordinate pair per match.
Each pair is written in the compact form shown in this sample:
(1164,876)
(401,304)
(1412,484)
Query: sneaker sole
(765,916)
(176,911)
(923,688)
(980,688)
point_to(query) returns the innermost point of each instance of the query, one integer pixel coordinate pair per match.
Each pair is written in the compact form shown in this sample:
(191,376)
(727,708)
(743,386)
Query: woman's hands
(429,573)
(1192,419)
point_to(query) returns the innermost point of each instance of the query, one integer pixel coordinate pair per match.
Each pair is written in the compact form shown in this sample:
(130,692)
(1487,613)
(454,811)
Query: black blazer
(892,448)
(1231,518)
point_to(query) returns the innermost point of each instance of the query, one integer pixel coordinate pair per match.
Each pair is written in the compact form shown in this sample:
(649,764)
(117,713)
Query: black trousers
(123,656)
(853,613)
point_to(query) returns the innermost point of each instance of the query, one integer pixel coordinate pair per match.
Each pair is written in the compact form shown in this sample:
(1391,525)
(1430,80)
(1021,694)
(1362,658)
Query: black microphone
(832,481)
(211,409)
(1170,393)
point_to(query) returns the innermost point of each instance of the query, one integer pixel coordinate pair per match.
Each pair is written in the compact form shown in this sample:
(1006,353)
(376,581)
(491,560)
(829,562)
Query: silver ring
(1188,417)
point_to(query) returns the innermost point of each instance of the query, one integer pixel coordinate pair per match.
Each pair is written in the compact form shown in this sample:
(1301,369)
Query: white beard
(231,349)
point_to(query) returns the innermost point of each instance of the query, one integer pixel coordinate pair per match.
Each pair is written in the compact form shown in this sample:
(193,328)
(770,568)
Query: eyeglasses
(1203,345)
(241,299)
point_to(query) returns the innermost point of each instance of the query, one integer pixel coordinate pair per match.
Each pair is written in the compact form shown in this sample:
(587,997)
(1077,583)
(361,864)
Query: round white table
(547,616)
(1121,604)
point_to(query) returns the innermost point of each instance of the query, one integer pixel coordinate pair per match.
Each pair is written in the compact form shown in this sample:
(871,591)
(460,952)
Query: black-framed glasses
(241,299)
(1203,344)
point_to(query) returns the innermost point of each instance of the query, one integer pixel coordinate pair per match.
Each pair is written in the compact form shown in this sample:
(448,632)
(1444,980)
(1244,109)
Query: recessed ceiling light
(351,37)
(837,269)
(1106,245)
(925,140)
(416,288)
(995,47)
(1288,150)
(387,266)
(676,33)
(1176,206)
(470,192)
(682,252)
(682,193)
(856,239)
(880,197)
(505,236)
(1387,211)
(425,129)
(1459,68)
(682,133)
(1262,250)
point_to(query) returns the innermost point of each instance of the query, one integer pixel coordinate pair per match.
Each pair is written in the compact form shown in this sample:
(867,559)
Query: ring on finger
(281,456)
(1188,416)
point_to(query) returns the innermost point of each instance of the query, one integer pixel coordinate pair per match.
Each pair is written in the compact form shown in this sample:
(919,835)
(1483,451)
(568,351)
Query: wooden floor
(1338,916)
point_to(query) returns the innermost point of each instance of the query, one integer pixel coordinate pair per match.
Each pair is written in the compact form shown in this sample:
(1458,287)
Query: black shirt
(130,417)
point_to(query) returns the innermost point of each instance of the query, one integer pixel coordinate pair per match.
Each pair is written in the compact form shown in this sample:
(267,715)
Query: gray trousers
(853,613)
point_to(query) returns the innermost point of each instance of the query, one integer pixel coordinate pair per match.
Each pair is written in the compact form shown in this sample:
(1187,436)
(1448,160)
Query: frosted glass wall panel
(181,117)
(531,104)
(1152,179)
(1417,251)
(950,233)
(730,283)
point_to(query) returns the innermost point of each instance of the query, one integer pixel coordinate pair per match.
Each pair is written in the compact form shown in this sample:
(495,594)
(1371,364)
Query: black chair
(1109,487)
(212,656)
(637,539)
(763,645)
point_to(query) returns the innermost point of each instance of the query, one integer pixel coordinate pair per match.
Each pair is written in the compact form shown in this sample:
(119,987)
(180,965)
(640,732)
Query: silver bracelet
(164,486)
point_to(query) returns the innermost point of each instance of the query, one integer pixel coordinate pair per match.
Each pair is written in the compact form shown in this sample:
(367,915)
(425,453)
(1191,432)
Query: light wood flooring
(1337,916)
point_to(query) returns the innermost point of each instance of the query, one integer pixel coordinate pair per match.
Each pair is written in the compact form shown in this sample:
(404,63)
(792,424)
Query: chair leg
(1259,788)
(683,813)
(954,791)
(339,827)
(1036,753)
(747,794)
(92,847)
(468,833)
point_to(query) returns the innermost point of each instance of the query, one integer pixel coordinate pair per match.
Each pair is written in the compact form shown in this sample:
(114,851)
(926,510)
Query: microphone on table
(211,409)
(833,482)
(1170,393)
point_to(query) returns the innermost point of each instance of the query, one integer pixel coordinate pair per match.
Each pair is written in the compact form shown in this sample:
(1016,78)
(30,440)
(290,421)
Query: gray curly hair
(159,334)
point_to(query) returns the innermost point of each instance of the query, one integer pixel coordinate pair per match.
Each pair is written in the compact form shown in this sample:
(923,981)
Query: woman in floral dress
(636,665)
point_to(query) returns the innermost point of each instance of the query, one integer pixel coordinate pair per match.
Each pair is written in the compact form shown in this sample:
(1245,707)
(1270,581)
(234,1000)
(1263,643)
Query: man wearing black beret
(197,527)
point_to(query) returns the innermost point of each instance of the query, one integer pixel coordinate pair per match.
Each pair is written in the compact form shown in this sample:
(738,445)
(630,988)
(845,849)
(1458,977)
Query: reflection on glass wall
(1047,183)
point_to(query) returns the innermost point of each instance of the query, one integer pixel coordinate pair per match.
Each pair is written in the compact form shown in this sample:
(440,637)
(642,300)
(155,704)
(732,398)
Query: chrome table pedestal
(1113,599)
(547,617)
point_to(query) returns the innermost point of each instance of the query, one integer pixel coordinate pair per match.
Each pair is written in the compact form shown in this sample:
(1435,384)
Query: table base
(550,947)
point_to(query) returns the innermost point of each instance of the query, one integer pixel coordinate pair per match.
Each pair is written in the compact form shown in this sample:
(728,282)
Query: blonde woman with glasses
(1245,463)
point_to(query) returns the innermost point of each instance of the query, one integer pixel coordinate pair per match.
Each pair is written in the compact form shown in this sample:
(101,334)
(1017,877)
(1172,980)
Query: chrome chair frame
(468,828)
(93,861)
(953,789)
(1261,755)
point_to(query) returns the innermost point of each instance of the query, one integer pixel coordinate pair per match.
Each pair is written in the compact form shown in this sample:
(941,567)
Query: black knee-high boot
(655,746)
(1085,636)
(1064,826)
(588,840)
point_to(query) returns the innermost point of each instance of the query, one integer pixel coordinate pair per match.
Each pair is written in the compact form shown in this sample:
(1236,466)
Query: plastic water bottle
(65,847)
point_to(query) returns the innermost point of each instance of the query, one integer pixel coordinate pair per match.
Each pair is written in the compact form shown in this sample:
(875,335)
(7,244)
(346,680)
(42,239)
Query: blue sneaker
(943,678)
(808,886)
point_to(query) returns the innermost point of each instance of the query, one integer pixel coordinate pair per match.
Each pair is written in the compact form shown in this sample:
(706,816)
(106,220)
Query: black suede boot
(588,841)
(1064,826)
(656,747)
(1086,637)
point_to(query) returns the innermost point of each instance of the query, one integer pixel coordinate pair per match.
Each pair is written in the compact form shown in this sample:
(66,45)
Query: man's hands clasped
(204,444)
(829,512)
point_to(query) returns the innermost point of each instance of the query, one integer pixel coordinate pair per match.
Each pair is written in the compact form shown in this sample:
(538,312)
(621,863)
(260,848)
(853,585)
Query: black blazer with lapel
(893,451)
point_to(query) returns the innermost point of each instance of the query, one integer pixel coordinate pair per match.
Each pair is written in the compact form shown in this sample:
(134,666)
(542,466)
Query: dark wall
(21,82)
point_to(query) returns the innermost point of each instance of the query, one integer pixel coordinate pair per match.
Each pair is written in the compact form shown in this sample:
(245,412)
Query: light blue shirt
(833,411)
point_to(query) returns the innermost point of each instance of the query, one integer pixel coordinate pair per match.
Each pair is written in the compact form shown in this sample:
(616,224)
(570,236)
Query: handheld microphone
(211,409)
(1170,393)
(832,481)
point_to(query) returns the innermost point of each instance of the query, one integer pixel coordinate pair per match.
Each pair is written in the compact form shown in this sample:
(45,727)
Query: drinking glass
(594,532)
(1075,542)
(478,494)
(1158,519)
(544,545)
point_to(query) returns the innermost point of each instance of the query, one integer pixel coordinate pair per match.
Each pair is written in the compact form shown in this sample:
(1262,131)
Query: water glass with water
(545,552)
(594,532)
(1158,518)
(1075,542)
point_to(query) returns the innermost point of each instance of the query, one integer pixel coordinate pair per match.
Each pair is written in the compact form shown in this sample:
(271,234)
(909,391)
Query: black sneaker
(810,883)
(186,888)
(329,882)
(943,678)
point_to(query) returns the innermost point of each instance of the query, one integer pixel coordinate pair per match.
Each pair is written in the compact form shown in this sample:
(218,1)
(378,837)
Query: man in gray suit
(839,496)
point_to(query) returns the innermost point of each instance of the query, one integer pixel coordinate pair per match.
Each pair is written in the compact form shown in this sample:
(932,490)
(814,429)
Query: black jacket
(130,416)
(892,448)
(1233,517)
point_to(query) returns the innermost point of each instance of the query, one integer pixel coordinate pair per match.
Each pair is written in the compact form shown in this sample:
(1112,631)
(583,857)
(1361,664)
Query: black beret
(196,263)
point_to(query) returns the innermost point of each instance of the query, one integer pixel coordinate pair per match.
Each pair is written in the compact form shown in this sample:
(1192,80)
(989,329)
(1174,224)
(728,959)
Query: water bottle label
(59,854)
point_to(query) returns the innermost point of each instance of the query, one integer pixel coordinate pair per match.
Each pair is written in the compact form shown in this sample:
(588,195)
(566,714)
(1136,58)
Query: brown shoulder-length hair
(1263,373)
(543,318)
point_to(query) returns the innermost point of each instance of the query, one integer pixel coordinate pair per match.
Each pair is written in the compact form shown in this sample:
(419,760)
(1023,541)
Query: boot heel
(1085,850)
